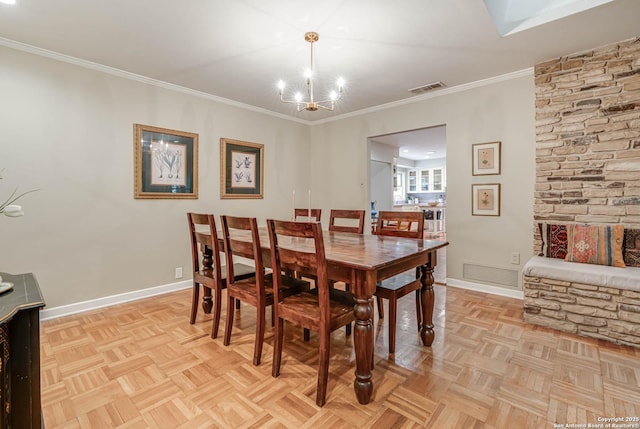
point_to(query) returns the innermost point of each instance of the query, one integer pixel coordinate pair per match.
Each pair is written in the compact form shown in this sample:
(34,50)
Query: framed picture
(486,158)
(241,169)
(485,199)
(166,163)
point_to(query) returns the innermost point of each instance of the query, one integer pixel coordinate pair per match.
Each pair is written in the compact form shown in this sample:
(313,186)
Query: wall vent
(427,88)
(491,275)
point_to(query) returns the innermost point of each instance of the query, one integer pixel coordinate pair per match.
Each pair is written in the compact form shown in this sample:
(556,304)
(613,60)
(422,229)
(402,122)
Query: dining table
(362,261)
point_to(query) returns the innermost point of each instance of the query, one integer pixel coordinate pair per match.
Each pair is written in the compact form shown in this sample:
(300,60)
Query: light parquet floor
(141,365)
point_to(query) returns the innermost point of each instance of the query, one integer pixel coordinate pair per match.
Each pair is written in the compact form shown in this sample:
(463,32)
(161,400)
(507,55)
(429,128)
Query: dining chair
(307,214)
(208,272)
(399,224)
(241,239)
(299,246)
(339,218)
(338,221)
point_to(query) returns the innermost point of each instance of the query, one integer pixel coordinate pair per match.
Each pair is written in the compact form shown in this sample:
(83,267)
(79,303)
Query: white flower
(9,209)
(13,210)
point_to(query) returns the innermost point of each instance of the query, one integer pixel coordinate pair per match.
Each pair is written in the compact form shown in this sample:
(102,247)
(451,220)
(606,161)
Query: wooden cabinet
(20,353)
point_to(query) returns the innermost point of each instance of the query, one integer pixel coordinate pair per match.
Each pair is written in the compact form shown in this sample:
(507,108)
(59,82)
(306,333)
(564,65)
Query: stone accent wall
(588,137)
(592,311)
(587,171)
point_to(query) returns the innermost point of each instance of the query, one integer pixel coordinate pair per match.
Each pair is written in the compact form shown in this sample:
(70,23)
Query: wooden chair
(350,215)
(322,312)
(256,290)
(399,224)
(306,214)
(209,273)
(357,215)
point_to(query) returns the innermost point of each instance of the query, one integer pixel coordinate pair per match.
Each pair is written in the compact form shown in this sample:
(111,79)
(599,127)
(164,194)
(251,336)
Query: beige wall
(68,131)
(503,111)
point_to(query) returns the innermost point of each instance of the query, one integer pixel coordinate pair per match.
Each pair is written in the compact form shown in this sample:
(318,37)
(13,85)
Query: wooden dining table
(362,261)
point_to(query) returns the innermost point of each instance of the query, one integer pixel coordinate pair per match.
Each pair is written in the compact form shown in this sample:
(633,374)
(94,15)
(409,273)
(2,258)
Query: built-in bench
(596,301)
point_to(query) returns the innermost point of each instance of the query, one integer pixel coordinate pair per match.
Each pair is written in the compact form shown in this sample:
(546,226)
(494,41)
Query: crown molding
(446,91)
(172,87)
(139,78)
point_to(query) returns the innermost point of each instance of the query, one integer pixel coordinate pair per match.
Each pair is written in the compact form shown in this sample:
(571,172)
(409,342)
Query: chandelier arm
(329,100)
(288,101)
(311,105)
(327,108)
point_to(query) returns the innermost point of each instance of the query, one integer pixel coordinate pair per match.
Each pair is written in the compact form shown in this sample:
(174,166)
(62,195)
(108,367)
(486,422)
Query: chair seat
(245,289)
(241,271)
(304,309)
(398,286)
(343,297)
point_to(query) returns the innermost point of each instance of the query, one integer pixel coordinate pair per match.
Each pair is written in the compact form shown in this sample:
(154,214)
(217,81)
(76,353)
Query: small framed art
(486,158)
(241,169)
(165,164)
(485,199)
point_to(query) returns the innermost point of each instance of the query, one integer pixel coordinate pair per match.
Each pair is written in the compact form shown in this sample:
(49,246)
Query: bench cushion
(597,275)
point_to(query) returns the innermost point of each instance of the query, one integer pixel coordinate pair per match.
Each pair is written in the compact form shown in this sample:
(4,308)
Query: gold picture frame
(241,169)
(165,163)
(485,199)
(486,158)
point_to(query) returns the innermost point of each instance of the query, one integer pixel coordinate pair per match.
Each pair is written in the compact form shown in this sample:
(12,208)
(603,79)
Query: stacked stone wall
(587,171)
(593,311)
(588,137)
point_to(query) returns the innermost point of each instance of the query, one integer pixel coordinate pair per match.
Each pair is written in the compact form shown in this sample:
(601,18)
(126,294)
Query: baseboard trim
(93,304)
(479,287)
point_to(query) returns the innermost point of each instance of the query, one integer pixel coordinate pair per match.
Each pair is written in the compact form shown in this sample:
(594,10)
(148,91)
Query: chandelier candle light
(311,105)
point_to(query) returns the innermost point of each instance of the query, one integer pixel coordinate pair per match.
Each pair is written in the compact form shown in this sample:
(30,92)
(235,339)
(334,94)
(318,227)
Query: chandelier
(311,104)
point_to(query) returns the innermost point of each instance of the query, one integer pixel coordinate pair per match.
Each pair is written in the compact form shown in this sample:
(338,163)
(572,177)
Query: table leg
(363,341)
(427,300)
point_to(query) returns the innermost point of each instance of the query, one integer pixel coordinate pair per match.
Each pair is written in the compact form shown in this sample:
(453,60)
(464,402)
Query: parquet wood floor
(141,365)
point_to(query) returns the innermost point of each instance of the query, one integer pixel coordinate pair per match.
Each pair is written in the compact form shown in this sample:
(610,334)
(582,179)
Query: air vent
(491,275)
(426,88)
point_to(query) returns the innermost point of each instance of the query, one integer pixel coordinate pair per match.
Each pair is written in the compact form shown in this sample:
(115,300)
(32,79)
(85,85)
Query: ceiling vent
(426,88)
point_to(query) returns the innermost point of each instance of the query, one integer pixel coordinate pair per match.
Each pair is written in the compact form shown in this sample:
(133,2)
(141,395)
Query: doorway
(407,171)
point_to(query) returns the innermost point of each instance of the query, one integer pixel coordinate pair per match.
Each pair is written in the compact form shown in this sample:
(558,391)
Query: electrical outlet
(179,272)
(515,258)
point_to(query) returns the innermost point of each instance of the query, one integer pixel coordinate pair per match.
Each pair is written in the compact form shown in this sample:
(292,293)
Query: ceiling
(238,50)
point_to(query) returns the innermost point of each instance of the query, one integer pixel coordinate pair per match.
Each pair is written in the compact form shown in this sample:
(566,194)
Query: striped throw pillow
(595,244)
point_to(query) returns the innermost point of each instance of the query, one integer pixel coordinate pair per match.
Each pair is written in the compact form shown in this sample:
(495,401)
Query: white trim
(147,80)
(93,304)
(429,95)
(480,287)
(139,78)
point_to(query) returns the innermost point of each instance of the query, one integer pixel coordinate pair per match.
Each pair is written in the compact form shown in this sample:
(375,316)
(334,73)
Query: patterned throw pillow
(595,244)
(632,247)
(557,239)
(554,240)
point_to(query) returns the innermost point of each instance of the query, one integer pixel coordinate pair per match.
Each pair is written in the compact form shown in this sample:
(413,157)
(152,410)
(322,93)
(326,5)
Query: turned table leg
(427,300)
(363,341)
